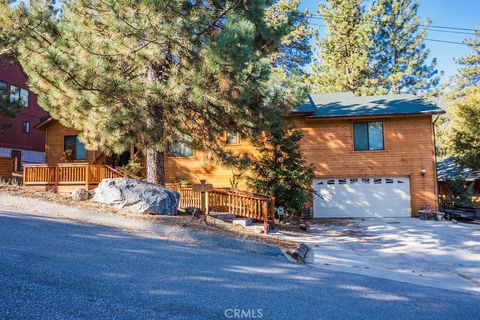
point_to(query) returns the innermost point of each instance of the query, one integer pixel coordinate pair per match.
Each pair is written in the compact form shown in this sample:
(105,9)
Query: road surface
(63,269)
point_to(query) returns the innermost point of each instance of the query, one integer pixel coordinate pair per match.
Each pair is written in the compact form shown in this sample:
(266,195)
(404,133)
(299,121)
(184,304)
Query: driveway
(440,254)
(53,268)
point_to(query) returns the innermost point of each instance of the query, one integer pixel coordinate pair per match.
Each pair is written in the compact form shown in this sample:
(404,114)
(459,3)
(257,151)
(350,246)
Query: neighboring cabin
(373,156)
(449,169)
(20,140)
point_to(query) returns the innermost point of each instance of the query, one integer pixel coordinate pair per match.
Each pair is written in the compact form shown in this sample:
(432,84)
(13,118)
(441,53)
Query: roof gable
(449,168)
(346,104)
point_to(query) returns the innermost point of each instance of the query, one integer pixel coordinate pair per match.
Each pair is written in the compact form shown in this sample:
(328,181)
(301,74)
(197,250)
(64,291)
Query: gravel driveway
(440,254)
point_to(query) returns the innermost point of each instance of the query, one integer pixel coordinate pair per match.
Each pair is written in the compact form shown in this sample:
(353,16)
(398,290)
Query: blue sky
(450,13)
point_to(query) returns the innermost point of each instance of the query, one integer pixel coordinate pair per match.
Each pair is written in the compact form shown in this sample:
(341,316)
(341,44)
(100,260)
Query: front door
(17,159)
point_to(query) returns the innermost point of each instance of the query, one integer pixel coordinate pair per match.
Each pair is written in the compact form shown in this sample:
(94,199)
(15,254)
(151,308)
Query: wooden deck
(66,177)
(223,200)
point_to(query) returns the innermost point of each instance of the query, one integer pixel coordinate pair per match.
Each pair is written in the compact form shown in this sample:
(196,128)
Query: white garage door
(362,197)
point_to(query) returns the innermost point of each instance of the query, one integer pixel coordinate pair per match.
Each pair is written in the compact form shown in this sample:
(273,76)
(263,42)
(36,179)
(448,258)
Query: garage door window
(368,135)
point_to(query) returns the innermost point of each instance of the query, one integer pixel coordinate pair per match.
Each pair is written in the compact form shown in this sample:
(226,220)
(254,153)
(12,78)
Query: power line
(450,31)
(427,39)
(446,41)
(316,16)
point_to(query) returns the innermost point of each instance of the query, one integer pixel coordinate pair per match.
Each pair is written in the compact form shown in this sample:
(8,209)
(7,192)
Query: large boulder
(137,196)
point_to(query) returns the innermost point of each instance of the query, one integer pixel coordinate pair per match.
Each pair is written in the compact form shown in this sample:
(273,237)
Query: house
(374,156)
(20,139)
(449,169)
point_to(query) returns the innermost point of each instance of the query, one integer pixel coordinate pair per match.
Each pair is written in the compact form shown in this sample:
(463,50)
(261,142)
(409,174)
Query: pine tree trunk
(155,166)
(155,154)
(154,148)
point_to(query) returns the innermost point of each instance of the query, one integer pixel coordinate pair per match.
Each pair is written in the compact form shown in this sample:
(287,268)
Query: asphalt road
(59,269)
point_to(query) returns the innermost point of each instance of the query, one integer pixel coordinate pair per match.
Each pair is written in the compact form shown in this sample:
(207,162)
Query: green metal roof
(346,104)
(449,168)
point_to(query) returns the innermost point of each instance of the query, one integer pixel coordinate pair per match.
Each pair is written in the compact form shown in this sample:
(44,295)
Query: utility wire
(317,16)
(427,39)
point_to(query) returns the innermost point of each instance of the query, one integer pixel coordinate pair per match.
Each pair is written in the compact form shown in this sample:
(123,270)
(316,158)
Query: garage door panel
(362,197)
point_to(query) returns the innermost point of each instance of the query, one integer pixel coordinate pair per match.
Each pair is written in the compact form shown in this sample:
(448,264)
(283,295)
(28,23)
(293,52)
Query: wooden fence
(65,177)
(6,167)
(240,203)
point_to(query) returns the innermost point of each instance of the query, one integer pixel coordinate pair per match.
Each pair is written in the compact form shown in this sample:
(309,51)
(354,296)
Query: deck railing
(67,174)
(223,200)
(62,177)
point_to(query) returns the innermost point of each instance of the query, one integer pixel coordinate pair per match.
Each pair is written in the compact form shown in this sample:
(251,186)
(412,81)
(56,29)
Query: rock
(137,196)
(310,256)
(194,212)
(224,216)
(305,227)
(242,221)
(80,195)
(304,253)
(256,227)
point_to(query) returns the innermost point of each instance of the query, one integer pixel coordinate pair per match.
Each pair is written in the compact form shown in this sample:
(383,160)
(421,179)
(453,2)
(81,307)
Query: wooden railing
(6,167)
(240,203)
(67,174)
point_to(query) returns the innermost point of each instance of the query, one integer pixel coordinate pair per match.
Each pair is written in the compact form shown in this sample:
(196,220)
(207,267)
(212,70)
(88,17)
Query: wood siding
(55,134)
(408,141)
(200,166)
(328,144)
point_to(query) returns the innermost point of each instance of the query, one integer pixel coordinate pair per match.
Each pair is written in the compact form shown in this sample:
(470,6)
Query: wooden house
(374,156)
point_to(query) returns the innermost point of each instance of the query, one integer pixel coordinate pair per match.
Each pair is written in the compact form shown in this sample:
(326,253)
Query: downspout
(437,190)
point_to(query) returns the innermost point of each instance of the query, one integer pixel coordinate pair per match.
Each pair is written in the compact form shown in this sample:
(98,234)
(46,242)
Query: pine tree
(342,56)
(398,57)
(465,107)
(155,72)
(468,75)
(281,171)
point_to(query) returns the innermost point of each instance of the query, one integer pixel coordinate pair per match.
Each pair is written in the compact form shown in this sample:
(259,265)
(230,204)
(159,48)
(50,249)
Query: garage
(362,197)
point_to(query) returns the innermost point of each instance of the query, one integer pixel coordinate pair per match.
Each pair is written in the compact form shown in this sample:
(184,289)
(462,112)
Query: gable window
(368,135)
(3,90)
(24,97)
(26,127)
(232,138)
(180,149)
(74,149)
(14,94)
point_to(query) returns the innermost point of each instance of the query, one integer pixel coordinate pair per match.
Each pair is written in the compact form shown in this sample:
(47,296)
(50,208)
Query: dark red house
(21,140)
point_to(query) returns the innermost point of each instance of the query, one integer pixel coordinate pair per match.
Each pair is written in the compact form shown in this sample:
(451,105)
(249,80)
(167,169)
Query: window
(14,94)
(232,138)
(180,149)
(24,97)
(74,149)
(26,127)
(368,135)
(3,90)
